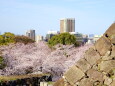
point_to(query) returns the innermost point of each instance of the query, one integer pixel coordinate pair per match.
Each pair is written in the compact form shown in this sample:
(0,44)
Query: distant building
(39,38)
(79,36)
(90,39)
(67,25)
(96,37)
(85,39)
(31,34)
(93,38)
(50,34)
(53,32)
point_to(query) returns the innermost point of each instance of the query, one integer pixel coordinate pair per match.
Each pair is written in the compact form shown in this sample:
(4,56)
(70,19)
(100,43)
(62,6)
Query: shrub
(6,38)
(23,39)
(63,38)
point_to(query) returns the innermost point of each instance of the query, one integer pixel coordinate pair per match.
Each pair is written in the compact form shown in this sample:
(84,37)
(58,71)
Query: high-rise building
(31,34)
(67,25)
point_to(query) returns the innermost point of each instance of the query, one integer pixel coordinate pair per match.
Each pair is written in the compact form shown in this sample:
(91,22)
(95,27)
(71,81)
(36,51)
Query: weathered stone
(110,31)
(107,58)
(73,75)
(92,56)
(95,67)
(86,82)
(106,66)
(95,75)
(83,65)
(113,51)
(103,45)
(107,80)
(113,39)
(113,83)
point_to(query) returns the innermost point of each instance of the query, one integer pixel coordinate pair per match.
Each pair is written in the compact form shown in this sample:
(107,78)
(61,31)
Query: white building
(93,39)
(39,38)
(96,37)
(53,32)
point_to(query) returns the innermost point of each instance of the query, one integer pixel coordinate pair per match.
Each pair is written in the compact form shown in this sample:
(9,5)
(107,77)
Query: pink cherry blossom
(20,58)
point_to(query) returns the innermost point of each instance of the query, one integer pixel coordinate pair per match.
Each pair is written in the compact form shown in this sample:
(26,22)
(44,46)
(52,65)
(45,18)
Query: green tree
(8,37)
(2,40)
(63,38)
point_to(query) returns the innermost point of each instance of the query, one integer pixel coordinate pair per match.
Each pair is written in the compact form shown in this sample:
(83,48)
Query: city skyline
(92,17)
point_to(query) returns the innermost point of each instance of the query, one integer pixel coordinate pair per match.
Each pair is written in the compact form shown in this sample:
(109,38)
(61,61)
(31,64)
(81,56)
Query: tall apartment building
(31,34)
(67,25)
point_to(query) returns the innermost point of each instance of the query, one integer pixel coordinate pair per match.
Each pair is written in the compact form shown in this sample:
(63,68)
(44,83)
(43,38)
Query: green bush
(63,38)
(2,64)
(8,37)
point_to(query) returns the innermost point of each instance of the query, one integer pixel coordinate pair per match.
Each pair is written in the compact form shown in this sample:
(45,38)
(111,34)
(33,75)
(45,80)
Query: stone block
(86,82)
(83,65)
(113,83)
(95,75)
(106,66)
(113,51)
(110,31)
(107,80)
(92,56)
(73,75)
(103,45)
(107,56)
(112,38)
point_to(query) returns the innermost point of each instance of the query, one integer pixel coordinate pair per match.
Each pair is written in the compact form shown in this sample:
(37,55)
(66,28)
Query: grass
(50,83)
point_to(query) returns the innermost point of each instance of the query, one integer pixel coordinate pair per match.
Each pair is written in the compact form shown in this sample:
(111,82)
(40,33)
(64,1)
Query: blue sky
(91,16)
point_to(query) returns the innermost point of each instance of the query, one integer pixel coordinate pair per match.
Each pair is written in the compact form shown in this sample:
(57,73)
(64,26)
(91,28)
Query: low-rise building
(39,38)
(50,34)
(79,36)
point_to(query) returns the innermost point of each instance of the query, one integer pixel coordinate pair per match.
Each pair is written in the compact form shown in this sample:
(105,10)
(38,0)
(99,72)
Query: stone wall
(28,81)
(97,67)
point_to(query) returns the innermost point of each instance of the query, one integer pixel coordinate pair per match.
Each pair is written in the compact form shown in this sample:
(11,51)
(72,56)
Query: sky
(91,16)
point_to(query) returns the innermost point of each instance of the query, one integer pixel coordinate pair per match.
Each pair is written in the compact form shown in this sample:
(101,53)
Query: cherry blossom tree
(36,57)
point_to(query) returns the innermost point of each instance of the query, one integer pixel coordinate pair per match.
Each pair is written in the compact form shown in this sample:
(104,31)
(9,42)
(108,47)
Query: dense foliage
(23,39)
(8,37)
(63,38)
